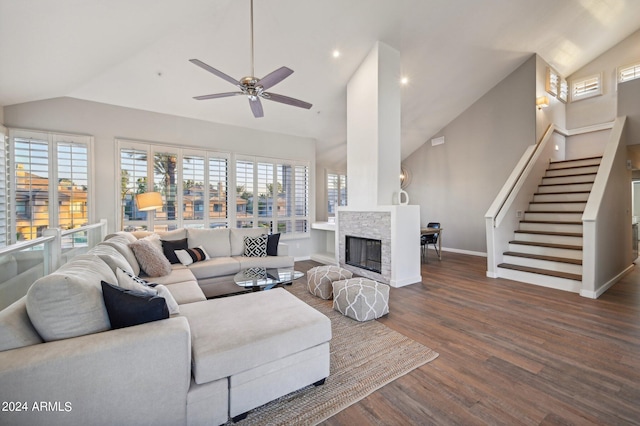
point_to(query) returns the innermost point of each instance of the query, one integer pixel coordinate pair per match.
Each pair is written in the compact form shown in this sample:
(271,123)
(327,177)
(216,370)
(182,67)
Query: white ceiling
(135,53)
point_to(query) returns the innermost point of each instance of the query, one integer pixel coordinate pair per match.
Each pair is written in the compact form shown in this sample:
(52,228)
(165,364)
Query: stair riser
(553,198)
(546,251)
(571,187)
(568,179)
(544,264)
(565,207)
(571,171)
(541,280)
(551,227)
(576,163)
(551,239)
(554,217)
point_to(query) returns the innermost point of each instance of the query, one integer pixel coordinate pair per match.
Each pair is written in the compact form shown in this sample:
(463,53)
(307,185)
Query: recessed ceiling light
(336,53)
(404,81)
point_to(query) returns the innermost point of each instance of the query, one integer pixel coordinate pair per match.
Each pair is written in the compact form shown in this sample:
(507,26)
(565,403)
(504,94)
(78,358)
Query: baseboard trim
(606,286)
(406,281)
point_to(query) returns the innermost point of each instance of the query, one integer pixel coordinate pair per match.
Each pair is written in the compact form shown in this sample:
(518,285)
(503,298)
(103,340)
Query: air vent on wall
(437,141)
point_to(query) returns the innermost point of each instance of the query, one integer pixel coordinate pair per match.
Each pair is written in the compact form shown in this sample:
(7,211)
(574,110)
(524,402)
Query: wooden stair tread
(542,257)
(570,175)
(550,245)
(566,183)
(552,222)
(557,274)
(554,211)
(555,234)
(561,192)
(558,202)
(597,157)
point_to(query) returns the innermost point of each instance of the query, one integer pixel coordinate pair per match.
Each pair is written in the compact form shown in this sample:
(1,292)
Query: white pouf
(361,299)
(320,278)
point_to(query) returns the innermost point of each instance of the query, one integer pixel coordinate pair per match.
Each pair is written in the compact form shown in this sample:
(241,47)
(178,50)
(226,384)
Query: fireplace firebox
(363,253)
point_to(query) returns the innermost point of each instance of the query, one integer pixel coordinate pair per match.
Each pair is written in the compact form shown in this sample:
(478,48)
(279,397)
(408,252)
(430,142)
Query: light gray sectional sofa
(62,364)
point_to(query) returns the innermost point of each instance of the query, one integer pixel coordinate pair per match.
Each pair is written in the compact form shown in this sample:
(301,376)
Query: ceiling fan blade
(275,77)
(214,71)
(217,95)
(256,107)
(286,100)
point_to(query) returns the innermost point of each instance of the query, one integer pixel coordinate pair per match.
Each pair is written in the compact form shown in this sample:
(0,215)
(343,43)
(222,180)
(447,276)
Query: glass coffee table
(258,279)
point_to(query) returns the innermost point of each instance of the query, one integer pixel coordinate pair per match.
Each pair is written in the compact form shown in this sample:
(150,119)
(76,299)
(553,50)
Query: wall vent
(437,141)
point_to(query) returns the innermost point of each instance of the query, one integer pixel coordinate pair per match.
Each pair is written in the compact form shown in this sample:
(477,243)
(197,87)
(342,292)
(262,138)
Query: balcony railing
(23,263)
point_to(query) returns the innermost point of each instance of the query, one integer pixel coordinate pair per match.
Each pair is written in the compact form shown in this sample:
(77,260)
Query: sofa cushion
(176,276)
(222,345)
(169,248)
(16,329)
(265,262)
(215,267)
(127,308)
(68,302)
(255,246)
(237,235)
(214,241)
(150,258)
(186,292)
(122,245)
(127,235)
(112,257)
(176,234)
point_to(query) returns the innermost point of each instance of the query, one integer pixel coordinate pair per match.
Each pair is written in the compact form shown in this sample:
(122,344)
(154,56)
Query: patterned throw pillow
(129,281)
(192,255)
(255,246)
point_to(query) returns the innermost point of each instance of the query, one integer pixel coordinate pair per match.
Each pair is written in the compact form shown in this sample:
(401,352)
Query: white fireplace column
(373,171)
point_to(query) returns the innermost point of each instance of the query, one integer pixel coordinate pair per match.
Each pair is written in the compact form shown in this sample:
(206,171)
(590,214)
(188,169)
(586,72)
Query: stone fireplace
(363,253)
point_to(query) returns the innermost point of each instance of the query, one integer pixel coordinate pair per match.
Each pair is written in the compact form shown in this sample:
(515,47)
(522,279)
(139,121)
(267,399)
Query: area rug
(364,357)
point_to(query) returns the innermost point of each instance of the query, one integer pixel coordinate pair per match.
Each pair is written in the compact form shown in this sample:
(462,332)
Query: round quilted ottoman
(319,279)
(361,299)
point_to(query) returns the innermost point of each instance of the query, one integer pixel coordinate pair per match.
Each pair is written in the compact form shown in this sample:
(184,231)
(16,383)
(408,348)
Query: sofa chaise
(216,359)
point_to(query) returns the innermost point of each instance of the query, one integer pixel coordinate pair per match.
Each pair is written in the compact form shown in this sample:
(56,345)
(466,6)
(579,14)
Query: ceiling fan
(254,88)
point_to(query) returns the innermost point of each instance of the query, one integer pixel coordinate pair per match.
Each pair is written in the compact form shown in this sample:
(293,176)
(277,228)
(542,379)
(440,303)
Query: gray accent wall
(108,122)
(455,183)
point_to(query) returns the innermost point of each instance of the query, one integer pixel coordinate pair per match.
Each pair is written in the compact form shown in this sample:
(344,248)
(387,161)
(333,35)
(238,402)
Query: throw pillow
(127,308)
(169,248)
(272,244)
(172,305)
(131,282)
(191,255)
(150,258)
(255,246)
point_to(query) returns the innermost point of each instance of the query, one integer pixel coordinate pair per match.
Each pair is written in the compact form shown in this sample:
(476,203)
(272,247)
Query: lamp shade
(542,102)
(149,201)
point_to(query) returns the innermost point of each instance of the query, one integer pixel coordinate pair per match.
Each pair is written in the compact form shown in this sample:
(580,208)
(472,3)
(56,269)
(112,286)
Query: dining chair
(425,240)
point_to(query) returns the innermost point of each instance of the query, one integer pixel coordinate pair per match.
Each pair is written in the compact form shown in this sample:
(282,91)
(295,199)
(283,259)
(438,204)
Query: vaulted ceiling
(135,53)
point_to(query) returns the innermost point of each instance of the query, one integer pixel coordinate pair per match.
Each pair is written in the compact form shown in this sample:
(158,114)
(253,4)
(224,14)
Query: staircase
(547,247)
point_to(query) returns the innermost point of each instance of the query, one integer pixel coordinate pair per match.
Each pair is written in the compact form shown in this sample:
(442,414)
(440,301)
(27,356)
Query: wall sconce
(149,201)
(542,102)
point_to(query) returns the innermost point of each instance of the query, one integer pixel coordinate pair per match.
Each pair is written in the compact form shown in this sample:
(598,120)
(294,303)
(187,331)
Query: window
(280,201)
(629,72)
(51,182)
(215,189)
(5,220)
(552,82)
(336,192)
(586,87)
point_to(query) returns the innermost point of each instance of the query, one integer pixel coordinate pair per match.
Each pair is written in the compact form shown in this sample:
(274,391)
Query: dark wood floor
(510,353)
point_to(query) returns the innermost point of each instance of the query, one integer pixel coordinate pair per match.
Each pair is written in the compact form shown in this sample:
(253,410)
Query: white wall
(601,109)
(455,183)
(555,113)
(629,105)
(108,122)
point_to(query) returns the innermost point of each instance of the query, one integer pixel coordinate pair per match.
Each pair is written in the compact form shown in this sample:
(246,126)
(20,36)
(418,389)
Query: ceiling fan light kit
(253,87)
